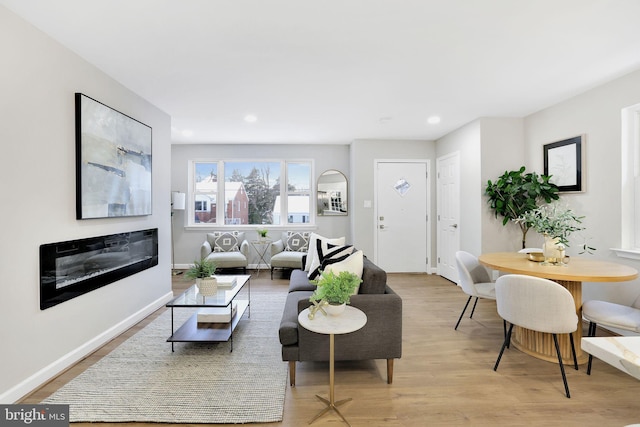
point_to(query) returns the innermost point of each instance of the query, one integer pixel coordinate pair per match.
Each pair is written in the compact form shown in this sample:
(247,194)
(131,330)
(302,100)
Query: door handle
(381,226)
(454,225)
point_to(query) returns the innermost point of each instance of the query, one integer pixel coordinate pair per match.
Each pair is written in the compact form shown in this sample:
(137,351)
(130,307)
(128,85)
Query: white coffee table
(349,321)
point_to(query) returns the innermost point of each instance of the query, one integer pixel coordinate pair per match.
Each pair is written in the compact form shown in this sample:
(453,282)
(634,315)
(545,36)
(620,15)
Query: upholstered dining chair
(474,280)
(610,314)
(539,305)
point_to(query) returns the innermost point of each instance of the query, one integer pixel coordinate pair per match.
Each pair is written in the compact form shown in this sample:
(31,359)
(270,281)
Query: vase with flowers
(556,223)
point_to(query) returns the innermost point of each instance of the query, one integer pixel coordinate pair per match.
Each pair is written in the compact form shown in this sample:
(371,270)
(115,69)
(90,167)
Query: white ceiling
(331,71)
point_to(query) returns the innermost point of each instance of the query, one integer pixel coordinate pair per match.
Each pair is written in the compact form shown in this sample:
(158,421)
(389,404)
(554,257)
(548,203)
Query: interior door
(448,214)
(401,216)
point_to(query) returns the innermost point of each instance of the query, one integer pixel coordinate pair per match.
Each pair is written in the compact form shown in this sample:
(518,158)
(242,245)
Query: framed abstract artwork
(113,162)
(564,161)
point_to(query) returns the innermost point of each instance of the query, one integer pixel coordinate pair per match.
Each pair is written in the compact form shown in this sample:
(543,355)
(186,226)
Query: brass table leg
(331,403)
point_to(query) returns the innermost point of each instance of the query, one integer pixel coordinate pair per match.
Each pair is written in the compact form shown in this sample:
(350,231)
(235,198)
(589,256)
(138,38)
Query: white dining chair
(539,305)
(613,315)
(474,280)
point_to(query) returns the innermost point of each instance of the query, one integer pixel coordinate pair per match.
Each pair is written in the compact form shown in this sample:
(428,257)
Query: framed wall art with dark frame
(564,161)
(113,162)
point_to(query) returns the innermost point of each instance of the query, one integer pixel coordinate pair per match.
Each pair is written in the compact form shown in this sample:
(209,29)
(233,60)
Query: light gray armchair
(290,250)
(228,249)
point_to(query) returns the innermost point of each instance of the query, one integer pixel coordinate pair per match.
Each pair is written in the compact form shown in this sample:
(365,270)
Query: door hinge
(438,260)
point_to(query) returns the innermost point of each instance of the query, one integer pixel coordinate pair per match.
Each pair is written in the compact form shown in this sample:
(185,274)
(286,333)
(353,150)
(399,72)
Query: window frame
(284,193)
(630,203)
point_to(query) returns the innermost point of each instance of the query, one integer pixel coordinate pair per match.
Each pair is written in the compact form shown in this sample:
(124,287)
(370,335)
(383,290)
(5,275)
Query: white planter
(334,310)
(207,286)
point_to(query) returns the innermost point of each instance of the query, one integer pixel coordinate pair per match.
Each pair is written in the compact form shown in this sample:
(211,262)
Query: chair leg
(592,333)
(292,373)
(271,273)
(573,351)
(504,344)
(504,327)
(462,314)
(474,308)
(564,377)
(389,371)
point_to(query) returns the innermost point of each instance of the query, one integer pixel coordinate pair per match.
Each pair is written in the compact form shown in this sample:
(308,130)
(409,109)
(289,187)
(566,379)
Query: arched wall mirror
(332,193)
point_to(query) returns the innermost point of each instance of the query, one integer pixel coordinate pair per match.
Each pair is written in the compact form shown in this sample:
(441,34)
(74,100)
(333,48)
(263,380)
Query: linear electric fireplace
(73,268)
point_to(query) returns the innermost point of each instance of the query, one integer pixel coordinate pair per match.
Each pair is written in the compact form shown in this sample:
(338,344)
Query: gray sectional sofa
(380,338)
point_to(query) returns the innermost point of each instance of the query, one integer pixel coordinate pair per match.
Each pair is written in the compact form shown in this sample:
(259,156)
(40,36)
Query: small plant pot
(335,309)
(207,286)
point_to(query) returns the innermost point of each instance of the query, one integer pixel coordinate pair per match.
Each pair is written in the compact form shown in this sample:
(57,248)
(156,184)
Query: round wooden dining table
(571,276)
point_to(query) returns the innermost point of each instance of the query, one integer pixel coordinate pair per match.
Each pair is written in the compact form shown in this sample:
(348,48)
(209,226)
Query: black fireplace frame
(73,268)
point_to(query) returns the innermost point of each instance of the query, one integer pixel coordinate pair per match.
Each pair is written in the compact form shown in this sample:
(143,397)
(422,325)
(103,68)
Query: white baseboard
(48,372)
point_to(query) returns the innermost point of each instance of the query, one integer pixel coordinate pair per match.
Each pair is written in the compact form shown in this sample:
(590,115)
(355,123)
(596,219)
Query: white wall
(487,147)
(188,241)
(502,150)
(596,113)
(38,80)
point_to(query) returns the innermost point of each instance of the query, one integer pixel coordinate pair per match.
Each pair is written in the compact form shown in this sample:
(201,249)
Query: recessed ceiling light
(250,118)
(187,133)
(433,120)
(385,120)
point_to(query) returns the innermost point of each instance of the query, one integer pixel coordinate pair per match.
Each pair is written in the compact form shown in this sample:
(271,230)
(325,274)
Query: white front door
(401,215)
(448,217)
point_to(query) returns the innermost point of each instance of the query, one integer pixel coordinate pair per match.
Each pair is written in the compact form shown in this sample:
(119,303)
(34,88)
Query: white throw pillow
(353,264)
(313,252)
(327,253)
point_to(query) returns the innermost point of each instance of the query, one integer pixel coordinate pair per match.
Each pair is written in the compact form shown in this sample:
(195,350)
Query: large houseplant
(335,289)
(516,192)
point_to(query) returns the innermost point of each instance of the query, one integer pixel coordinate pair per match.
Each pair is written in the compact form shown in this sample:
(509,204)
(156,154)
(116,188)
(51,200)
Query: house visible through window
(255,192)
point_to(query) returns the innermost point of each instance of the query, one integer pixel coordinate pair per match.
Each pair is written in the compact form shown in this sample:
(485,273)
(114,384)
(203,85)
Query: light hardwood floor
(444,378)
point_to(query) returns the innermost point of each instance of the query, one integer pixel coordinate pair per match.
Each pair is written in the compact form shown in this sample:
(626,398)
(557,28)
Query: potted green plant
(556,223)
(203,272)
(335,290)
(515,193)
(262,232)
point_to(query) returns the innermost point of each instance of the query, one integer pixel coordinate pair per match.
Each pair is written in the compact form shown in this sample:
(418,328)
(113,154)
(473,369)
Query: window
(631,180)
(205,193)
(253,194)
(298,192)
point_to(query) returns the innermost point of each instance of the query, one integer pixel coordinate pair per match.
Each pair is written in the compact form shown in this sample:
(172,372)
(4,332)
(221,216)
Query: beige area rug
(143,381)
